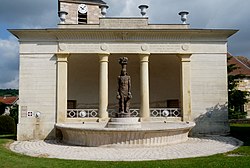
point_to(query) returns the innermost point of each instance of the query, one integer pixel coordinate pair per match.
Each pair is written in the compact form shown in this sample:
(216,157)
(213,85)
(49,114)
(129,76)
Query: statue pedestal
(131,122)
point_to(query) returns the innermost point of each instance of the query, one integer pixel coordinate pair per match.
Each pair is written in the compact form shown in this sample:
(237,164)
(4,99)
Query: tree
(236,98)
(2,108)
(14,113)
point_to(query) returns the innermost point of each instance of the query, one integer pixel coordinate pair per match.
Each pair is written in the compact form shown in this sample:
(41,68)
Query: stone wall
(209,93)
(37,91)
(72,8)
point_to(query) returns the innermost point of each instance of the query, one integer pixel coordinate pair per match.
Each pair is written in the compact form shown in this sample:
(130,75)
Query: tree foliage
(7,125)
(236,97)
(14,113)
(2,108)
(10,92)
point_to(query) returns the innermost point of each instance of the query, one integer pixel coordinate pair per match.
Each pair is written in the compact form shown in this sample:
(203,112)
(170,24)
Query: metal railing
(154,112)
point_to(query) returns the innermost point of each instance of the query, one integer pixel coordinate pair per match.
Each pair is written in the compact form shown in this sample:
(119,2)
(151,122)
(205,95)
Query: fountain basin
(150,133)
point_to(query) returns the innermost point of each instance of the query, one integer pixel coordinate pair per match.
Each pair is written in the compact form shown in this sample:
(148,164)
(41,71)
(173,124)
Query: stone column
(144,85)
(185,86)
(103,86)
(62,80)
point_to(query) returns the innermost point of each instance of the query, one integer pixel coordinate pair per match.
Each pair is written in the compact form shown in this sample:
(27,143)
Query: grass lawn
(10,159)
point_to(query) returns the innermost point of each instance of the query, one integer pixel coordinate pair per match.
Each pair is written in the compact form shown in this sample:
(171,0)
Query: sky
(219,14)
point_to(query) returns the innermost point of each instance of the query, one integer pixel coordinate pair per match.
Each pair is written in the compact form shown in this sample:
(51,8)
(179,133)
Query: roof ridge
(241,62)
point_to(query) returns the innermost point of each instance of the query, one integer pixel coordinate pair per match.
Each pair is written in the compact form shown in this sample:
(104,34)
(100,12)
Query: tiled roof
(242,68)
(8,100)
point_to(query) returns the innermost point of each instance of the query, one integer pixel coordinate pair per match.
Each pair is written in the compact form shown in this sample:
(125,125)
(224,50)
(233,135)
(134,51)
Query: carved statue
(124,89)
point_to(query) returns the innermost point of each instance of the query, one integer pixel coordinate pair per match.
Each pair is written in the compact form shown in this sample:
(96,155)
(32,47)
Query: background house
(244,83)
(8,102)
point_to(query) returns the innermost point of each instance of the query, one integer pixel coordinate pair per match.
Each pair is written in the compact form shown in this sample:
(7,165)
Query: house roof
(9,100)
(242,68)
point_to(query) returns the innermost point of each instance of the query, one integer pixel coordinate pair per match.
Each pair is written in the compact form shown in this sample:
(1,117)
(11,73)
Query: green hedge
(7,125)
(2,108)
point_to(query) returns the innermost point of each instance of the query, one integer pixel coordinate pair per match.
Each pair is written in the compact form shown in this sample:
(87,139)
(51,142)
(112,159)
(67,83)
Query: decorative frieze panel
(149,47)
(123,48)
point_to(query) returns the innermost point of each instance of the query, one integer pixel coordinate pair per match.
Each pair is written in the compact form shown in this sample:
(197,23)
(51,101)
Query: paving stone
(194,147)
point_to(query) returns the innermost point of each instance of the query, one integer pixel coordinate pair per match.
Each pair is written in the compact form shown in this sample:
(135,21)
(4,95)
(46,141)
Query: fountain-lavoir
(68,87)
(124,129)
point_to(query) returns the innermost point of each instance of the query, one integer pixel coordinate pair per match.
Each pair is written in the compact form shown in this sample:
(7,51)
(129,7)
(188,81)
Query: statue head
(123,61)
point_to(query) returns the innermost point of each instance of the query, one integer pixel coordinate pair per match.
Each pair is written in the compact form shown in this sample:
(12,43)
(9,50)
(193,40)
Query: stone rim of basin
(145,126)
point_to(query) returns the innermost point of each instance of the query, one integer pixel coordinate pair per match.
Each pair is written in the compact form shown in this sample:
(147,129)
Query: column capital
(184,57)
(62,57)
(104,54)
(144,57)
(103,57)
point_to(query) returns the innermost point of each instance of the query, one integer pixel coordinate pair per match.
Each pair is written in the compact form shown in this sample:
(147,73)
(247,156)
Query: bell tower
(81,11)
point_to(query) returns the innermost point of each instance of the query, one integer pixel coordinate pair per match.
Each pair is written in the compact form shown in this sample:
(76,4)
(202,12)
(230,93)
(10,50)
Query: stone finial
(143,9)
(183,15)
(104,10)
(62,16)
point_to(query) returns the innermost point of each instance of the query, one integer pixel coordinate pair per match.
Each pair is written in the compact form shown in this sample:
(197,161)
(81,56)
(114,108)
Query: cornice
(123,35)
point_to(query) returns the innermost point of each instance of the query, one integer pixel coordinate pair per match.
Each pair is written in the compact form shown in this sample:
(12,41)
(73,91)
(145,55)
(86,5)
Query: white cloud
(9,63)
(8,48)
(131,7)
(13,84)
(125,7)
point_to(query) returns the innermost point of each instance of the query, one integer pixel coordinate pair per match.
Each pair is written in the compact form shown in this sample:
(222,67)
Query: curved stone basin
(150,133)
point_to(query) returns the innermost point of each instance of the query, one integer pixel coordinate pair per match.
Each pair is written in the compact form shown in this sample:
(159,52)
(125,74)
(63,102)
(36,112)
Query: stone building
(69,74)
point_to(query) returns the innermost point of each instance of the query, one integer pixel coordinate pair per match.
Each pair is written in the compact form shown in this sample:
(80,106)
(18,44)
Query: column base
(103,119)
(145,119)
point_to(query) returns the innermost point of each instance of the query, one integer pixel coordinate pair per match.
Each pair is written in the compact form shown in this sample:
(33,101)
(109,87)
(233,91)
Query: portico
(142,95)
